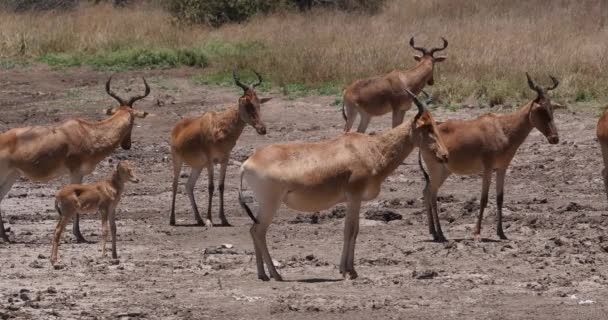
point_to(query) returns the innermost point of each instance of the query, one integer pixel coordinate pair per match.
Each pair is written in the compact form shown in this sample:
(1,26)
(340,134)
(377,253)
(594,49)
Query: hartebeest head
(541,111)
(425,132)
(249,103)
(125,173)
(429,56)
(127,106)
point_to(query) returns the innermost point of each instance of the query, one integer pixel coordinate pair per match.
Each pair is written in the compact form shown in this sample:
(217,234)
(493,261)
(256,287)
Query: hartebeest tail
(242,200)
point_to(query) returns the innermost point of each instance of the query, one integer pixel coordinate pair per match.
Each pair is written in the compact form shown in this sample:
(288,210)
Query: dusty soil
(553,266)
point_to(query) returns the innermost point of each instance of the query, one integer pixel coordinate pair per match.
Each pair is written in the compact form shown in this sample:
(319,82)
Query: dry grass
(492,43)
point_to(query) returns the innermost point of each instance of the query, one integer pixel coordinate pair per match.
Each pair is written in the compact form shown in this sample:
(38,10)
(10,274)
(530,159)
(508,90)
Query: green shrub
(25,5)
(218,12)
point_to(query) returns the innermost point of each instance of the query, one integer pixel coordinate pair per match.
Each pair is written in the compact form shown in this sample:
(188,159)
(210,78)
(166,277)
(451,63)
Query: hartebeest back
(74,147)
(207,140)
(317,176)
(382,94)
(485,144)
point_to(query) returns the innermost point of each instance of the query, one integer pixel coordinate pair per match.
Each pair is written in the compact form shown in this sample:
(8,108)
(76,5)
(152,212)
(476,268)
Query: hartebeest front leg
(104,230)
(500,183)
(194,174)
(5,187)
(485,187)
(76,178)
(365,119)
(210,189)
(112,218)
(223,167)
(351,230)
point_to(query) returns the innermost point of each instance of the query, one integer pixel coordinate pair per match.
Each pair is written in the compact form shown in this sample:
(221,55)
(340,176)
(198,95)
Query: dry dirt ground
(553,266)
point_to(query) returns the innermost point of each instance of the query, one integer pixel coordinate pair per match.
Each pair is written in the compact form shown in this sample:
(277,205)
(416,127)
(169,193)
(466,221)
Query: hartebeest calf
(602,137)
(379,95)
(482,145)
(207,140)
(316,176)
(74,147)
(102,196)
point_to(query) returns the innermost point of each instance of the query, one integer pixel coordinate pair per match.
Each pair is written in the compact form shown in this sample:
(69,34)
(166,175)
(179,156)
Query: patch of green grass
(225,79)
(222,49)
(130,59)
(584,96)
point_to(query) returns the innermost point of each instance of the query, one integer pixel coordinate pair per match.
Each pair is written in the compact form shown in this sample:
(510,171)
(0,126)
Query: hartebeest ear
(424,120)
(440,59)
(417,58)
(140,114)
(264,100)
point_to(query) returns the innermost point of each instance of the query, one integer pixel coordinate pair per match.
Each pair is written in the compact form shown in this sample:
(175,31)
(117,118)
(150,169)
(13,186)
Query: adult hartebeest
(74,147)
(207,140)
(379,95)
(482,145)
(602,137)
(316,176)
(102,196)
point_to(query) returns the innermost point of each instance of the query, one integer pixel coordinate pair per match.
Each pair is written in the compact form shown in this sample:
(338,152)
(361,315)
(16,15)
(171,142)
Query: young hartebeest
(102,196)
(602,137)
(207,140)
(482,145)
(316,176)
(74,147)
(379,95)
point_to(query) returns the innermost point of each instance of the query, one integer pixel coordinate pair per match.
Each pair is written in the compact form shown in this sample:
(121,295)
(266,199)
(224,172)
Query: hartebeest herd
(308,177)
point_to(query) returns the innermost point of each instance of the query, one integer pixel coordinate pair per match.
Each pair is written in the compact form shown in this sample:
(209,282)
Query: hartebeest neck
(394,146)
(107,134)
(419,75)
(234,123)
(517,125)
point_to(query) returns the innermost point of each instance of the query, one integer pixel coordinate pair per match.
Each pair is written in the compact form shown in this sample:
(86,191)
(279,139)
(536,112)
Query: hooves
(264,277)
(350,275)
(81,239)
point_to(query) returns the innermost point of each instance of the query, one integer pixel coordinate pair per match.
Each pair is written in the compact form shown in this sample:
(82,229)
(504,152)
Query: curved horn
(421,107)
(112,94)
(429,99)
(238,82)
(555,83)
(133,99)
(533,85)
(445,45)
(421,49)
(259,79)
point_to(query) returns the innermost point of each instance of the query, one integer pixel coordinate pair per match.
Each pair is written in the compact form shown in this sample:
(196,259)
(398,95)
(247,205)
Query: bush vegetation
(492,43)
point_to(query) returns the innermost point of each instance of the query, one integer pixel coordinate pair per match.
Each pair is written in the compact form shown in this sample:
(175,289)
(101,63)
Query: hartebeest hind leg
(5,187)
(112,218)
(351,116)
(223,167)
(437,176)
(194,174)
(365,119)
(604,148)
(485,187)
(398,115)
(177,169)
(104,231)
(351,230)
(500,182)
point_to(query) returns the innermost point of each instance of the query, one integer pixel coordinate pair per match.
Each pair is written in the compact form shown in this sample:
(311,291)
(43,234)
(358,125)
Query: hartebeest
(102,196)
(482,145)
(602,137)
(316,176)
(74,147)
(379,95)
(207,140)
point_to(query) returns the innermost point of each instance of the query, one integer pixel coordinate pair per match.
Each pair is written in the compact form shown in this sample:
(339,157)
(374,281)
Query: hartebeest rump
(207,140)
(382,94)
(316,176)
(74,147)
(482,145)
(102,196)
(602,137)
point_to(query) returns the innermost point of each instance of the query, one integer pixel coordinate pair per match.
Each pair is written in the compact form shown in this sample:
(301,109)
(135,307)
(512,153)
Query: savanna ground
(553,266)
(54,65)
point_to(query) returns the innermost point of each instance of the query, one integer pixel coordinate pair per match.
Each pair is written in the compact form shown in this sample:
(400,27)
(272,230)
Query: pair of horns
(131,101)
(243,86)
(426,51)
(420,105)
(540,90)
